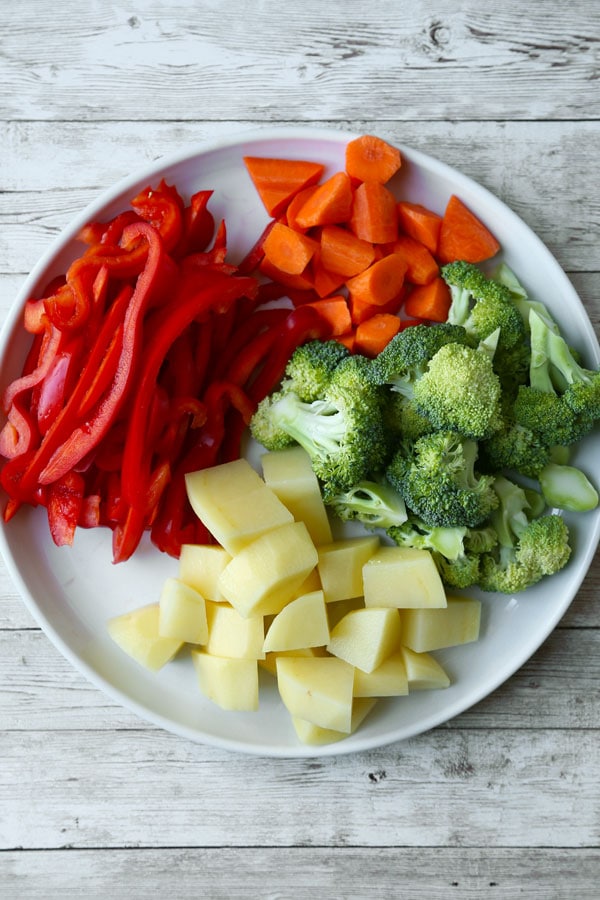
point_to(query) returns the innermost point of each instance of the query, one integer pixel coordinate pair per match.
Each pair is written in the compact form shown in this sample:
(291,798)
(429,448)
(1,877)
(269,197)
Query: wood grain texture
(502,801)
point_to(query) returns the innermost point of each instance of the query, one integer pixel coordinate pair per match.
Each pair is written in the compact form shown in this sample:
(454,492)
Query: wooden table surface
(503,801)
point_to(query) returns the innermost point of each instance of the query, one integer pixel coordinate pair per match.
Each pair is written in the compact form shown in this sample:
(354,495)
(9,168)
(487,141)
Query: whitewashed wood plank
(557,688)
(306,61)
(298,872)
(447,788)
(540,169)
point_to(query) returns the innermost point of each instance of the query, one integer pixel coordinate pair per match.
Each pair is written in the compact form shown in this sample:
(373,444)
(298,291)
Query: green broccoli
(374,503)
(561,403)
(567,487)
(481,304)
(404,360)
(342,431)
(311,366)
(436,476)
(528,548)
(460,392)
(515,448)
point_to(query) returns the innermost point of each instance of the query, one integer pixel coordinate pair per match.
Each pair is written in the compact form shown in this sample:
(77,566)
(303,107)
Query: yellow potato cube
(234,503)
(338,609)
(269,663)
(423,672)
(200,566)
(182,613)
(387,680)
(341,566)
(432,629)
(309,733)
(263,577)
(403,578)
(136,633)
(290,475)
(366,637)
(232,635)
(302,623)
(230,683)
(317,689)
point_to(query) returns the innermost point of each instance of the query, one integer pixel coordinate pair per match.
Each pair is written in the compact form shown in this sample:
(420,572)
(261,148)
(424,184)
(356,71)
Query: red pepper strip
(128,534)
(52,390)
(247,330)
(163,208)
(90,512)
(256,253)
(218,291)
(113,230)
(51,343)
(302,324)
(198,225)
(86,435)
(65,501)
(19,433)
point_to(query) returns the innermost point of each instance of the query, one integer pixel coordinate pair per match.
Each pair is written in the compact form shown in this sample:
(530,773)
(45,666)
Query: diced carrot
(344,253)
(374,216)
(381,282)
(348,340)
(375,333)
(464,236)
(335,311)
(302,282)
(289,250)
(421,267)
(429,301)
(278,180)
(330,204)
(361,311)
(324,281)
(420,223)
(296,203)
(370,158)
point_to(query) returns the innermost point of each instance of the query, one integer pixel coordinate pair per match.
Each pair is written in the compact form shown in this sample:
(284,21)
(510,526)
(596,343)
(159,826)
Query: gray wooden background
(501,802)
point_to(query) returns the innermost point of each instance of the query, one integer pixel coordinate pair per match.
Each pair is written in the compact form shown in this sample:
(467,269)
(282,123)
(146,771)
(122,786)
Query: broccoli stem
(567,487)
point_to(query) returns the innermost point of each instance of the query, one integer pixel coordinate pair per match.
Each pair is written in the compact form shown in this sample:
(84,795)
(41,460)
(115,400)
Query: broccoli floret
(374,503)
(265,427)
(414,532)
(481,304)
(561,403)
(527,548)
(460,392)
(436,476)
(404,360)
(311,366)
(516,448)
(342,432)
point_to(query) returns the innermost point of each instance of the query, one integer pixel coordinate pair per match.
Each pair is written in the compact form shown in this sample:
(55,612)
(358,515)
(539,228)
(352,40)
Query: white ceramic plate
(72,591)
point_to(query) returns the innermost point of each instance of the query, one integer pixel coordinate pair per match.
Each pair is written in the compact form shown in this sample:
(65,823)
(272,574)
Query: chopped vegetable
(464,236)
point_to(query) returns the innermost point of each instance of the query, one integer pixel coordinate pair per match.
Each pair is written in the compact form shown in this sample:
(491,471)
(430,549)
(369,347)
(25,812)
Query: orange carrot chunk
(301,282)
(375,333)
(381,282)
(278,180)
(464,236)
(330,204)
(429,301)
(360,311)
(288,250)
(335,311)
(421,267)
(343,252)
(370,158)
(374,217)
(296,203)
(420,223)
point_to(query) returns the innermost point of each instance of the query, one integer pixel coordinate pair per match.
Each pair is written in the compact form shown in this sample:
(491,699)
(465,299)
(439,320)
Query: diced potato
(366,637)
(423,672)
(302,623)
(317,689)
(200,566)
(290,475)
(232,635)
(431,629)
(269,663)
(182,613)
(309,733)
(230,683)
(311,583)
(234,503)
(387,680)
(338,609)
(403,578)
(136,633)
(341,566)
(263,577)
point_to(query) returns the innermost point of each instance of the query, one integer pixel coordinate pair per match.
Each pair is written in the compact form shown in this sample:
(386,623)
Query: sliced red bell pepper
(65,502)
(163,208)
